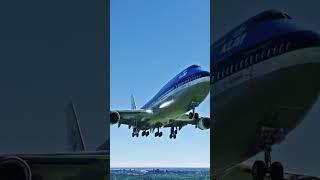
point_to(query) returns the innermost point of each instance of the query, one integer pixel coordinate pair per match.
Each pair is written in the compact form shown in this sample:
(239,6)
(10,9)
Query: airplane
(169,106)
(77,163)
(264,80)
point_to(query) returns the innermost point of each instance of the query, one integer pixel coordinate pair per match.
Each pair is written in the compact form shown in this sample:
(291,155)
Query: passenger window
(269,52)
(246,62)
(275,50)
(281,48)
(262,55)
(288,46)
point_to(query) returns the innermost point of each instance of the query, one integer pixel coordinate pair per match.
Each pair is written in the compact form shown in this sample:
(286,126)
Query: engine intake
(204,123)
(12,167)
(114,117)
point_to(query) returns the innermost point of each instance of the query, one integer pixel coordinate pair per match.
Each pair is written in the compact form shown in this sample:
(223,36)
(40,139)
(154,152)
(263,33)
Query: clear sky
(151,42)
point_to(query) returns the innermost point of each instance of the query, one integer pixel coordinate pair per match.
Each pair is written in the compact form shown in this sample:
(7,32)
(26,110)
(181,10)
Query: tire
(132,134)
(143,133)
(160,134)
(155,134)
(196,116)
(276,171)
(174,136)
(147,133)
(259,170)
(190,115)
(170,136)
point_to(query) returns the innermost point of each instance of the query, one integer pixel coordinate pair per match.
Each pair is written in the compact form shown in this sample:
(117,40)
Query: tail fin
(133,103)
(74,134)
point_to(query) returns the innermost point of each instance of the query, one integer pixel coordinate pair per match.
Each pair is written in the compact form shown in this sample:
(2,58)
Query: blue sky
(150,42)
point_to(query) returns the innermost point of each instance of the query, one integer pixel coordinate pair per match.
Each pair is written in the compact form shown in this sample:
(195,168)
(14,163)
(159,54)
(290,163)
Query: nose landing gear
(135,132)
(266,138)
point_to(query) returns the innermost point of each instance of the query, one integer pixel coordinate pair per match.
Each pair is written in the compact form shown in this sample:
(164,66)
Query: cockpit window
(194,66)
(271,15)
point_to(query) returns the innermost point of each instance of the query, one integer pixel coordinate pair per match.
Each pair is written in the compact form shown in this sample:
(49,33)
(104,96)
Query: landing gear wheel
(147,133)
(196,116)
(170,136)
(174,136)
(276,171)
(259,170)
(190,115)
(143,133)
(156,134)
(160,134)
(132,134)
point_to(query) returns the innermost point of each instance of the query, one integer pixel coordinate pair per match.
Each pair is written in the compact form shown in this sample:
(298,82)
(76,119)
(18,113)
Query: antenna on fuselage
(133,103)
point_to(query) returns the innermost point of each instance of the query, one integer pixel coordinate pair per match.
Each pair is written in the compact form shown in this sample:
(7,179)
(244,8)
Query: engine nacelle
(204,123)
(12,167)
(114,117)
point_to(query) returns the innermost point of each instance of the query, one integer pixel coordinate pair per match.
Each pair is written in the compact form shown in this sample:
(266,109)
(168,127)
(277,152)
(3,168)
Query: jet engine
(203,123)
(12,167)
(114,117)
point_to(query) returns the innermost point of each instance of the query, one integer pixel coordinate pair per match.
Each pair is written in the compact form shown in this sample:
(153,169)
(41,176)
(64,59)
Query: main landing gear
(145,133)
(174,131)
(158,133)
(267,137)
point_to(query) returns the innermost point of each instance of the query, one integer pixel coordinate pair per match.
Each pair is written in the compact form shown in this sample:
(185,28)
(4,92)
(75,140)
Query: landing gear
(135,132)
(174,131)
(145,133)
(158,133)
(268,137)
(193,114)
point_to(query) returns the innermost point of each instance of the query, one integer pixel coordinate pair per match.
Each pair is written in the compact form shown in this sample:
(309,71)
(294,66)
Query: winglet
(133,103)
(74,134)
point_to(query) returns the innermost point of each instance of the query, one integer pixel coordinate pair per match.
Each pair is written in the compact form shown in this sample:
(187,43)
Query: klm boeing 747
(169,107)
(264,79)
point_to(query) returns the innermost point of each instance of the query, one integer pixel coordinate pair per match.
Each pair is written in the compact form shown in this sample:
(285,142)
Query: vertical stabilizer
(133,103)
(74,134)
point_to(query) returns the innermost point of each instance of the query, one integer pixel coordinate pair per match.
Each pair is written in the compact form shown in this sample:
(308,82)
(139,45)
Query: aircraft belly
(278,94)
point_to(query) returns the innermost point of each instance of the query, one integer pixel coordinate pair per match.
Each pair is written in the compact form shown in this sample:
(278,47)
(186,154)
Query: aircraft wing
(243,172)
(129,117)
(56,166)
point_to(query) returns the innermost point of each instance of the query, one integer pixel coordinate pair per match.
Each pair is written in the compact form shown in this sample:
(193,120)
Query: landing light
(167,103)
(149,111)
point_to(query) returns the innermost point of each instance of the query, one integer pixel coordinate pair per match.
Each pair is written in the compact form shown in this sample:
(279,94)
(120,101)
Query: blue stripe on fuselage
(189,74)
